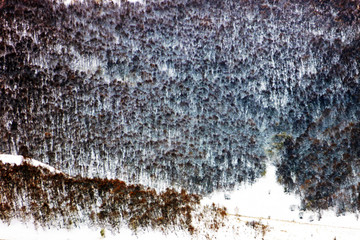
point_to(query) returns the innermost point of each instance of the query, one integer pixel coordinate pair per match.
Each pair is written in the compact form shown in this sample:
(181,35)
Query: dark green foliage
(183,91)
(324,167)
(83,120)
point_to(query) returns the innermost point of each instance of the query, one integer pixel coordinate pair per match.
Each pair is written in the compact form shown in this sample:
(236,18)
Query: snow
(18,159)
(11,159)
(67,2)
(265,201)
(267,197)
(18,230)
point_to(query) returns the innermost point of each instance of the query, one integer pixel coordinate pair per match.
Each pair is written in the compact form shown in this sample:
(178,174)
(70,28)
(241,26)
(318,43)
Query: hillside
(186,96)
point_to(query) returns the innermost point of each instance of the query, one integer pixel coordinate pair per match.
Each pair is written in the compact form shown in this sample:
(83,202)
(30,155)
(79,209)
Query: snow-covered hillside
(184,92)
(141,114)
(258,211)
(266,202)
(19,159)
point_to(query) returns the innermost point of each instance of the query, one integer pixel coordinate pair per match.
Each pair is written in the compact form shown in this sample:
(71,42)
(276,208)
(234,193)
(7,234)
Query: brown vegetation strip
(28,192)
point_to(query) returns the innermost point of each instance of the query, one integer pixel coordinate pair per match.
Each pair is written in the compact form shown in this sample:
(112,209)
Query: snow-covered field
(18,230)
(275,215)
(265,201)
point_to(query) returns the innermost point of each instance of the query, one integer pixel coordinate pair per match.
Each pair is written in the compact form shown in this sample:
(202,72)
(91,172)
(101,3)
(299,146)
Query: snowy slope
(18,159)
(266,201)
(261,210)
(135,95)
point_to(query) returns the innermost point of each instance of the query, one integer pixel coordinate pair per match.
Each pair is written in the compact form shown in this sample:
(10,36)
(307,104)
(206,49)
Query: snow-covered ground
(18,159)
(266,197)
(20,231)
(67,2)
(264,202)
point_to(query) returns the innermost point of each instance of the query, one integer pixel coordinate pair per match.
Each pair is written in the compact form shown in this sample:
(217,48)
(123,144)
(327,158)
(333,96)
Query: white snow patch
(68,2)
(18,230)
(11,159)
(265,201)
(18,159)
(265,198)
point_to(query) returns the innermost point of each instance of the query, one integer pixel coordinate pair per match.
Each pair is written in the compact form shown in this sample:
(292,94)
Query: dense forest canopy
(191,94)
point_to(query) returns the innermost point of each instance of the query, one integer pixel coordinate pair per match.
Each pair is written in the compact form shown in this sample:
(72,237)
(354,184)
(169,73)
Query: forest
(182,94)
